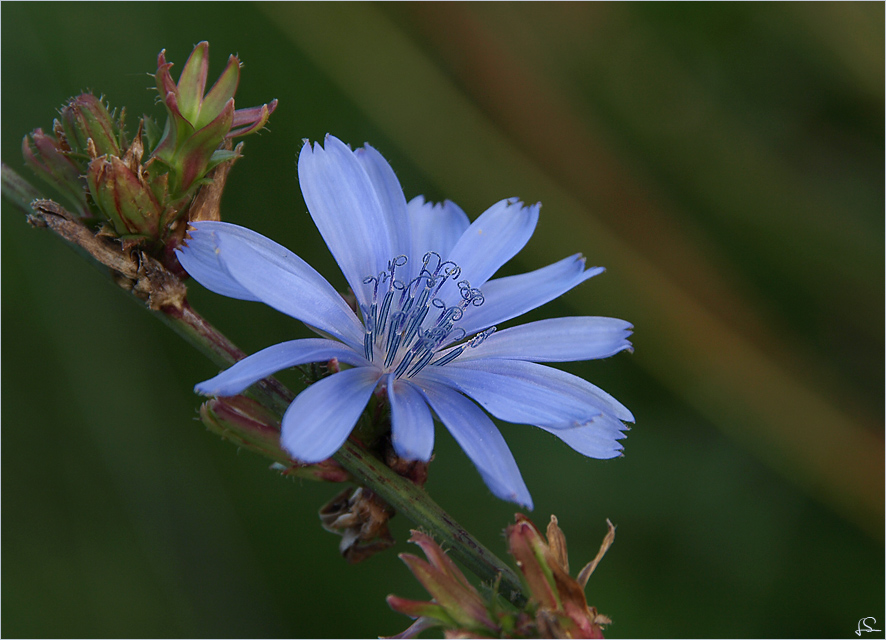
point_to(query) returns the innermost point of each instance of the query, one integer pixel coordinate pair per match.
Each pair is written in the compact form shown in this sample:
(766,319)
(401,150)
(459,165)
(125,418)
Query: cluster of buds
(62,157)
(557,600)
(556,606)
(198,124)
(88,159)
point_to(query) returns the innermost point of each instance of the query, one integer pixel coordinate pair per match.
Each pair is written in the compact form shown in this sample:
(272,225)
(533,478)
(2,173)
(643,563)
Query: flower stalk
(18,190)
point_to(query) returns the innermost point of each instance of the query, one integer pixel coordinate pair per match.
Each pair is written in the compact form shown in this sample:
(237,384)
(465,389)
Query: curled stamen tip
(399,261)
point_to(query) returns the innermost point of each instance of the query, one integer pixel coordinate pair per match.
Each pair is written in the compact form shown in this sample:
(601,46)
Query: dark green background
(725,162)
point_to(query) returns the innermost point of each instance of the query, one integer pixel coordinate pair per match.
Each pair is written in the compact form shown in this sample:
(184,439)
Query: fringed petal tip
(625,344)
(205,389)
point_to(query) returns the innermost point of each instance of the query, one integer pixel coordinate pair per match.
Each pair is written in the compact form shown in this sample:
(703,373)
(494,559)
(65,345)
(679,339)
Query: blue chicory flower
(421,275)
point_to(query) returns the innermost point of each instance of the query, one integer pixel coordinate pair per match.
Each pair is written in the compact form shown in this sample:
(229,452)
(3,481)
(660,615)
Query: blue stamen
(449,357)
(404,363)
(415,325)
(383,314)
(392,347)
(423,297)
(421,364)
(398,325)
(367,345)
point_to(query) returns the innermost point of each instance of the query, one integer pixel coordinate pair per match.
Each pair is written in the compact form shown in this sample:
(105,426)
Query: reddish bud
(47,157)
(250,425)
(198,124)
(85,118)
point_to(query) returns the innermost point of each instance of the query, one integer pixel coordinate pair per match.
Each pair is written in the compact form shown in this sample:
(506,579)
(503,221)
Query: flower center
(408,323)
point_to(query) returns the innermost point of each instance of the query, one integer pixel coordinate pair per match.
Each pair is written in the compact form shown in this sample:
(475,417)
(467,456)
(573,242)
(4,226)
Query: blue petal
(320,419)
(493,239)
(480,440)
(556,340)
(343,203)
(282,280)
(276,358)
(435,227)
(506,298)
(596,439)
(390,196)
(199,257)
(412,426)
(526,392)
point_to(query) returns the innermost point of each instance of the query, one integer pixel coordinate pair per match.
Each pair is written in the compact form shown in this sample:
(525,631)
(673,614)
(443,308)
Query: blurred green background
(724,162)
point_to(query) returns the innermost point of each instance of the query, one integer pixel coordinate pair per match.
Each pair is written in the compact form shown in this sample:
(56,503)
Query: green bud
(535,562)
(198,124)
(250,425)
(85,118)
(456,604)
(556,605)
(124,197)
(48,158)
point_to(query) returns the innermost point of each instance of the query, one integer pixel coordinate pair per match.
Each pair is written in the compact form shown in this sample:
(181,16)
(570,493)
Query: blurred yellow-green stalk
(723,161)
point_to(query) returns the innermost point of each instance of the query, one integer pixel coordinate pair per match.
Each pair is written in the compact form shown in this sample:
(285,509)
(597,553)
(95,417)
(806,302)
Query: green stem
(17,189)
(417,505)
(191,326)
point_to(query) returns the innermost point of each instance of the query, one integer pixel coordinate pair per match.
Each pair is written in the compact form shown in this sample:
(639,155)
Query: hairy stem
(417,505)
(17,189)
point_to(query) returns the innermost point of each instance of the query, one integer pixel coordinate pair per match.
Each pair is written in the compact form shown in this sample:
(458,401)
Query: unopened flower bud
(124,198)
(456,604)
(561,610)
(198,124)
(250,425)
(47,157)
(555,608)
(85,118)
